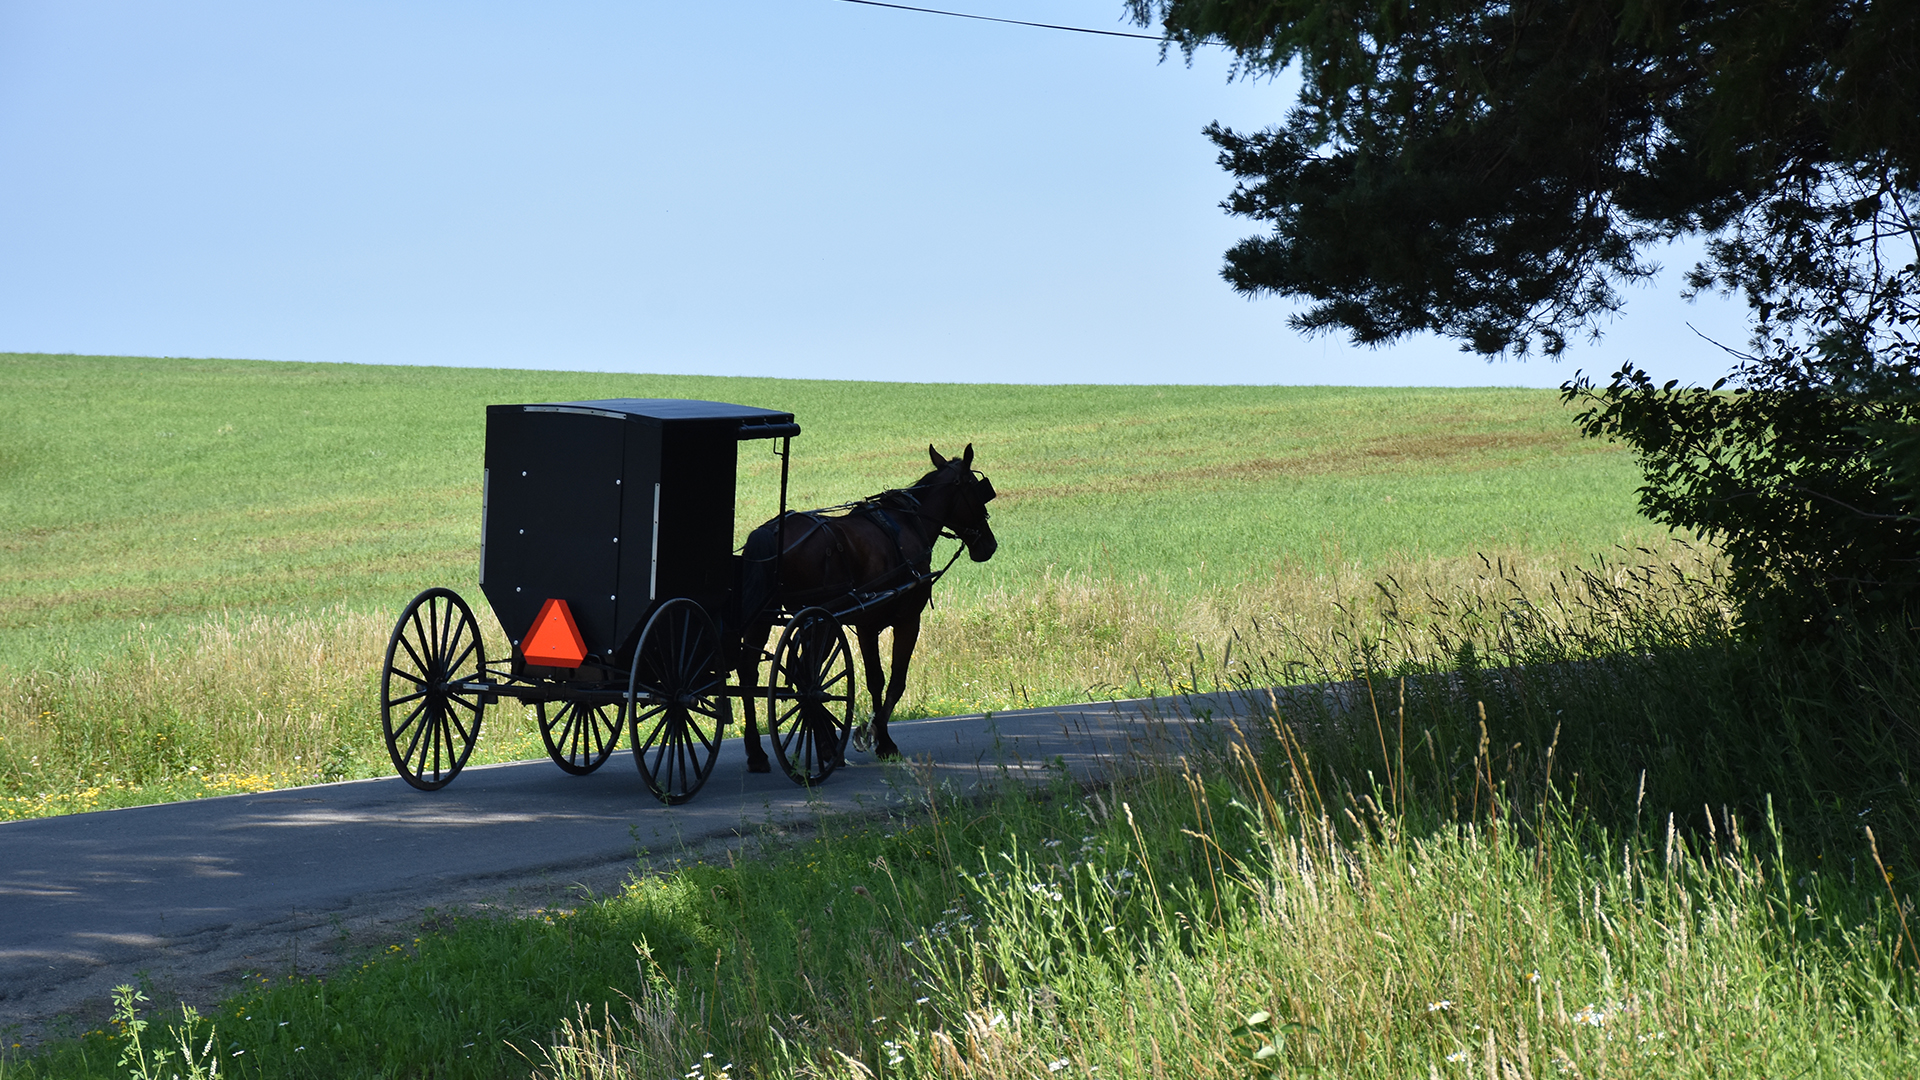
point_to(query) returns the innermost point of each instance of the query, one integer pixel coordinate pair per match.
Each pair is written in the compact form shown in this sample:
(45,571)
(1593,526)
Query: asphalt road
(197,896)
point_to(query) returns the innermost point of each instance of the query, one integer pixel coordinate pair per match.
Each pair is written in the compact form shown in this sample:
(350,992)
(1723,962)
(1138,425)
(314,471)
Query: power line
(1013,22)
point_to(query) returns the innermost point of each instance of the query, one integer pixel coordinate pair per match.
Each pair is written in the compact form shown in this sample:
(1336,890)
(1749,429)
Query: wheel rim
(677,713)
(430,725)
(810,696)
(579,738)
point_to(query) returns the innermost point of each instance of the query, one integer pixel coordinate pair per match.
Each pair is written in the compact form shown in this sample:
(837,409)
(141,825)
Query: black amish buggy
(606,553)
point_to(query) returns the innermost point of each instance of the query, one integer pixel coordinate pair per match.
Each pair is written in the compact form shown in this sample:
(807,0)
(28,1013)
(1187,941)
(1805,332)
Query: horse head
(956,497)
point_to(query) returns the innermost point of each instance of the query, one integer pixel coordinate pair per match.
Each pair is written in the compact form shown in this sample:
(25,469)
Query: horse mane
(901,498)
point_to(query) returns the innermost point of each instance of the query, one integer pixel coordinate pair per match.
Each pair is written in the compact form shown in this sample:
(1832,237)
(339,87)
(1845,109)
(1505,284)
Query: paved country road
(197,896)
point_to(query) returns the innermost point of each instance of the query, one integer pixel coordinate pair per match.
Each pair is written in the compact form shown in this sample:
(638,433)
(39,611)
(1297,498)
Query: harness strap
(878,515)
(815,523)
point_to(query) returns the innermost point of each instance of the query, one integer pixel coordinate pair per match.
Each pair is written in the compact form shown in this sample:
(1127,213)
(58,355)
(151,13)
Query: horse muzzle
(980,543)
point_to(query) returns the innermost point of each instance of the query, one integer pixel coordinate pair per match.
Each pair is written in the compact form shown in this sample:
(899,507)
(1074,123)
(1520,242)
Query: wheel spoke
(692,743)
(428,634)
(419,665)
(408,723)
(710,745)
(456,722)
(688,644)
(437,618)
(462,658)
(424,713)
(430,748)
(781,727)
(403,700)
(451,631)
(575,735)
(659,758)
(654,733)
(676,761)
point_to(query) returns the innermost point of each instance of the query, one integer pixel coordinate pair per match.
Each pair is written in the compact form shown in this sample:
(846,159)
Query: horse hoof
(885,750)
(758,765)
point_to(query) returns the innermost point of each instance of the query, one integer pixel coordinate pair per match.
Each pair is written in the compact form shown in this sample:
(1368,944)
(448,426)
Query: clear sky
(805,188)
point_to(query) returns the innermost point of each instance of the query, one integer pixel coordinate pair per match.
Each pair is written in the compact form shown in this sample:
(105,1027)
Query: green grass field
(163,493)
(203,556)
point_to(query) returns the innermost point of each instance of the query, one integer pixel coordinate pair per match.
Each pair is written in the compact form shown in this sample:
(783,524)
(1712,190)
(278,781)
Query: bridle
(967,535)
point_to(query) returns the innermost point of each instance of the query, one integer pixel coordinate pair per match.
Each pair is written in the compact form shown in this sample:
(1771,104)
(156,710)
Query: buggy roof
(755,423)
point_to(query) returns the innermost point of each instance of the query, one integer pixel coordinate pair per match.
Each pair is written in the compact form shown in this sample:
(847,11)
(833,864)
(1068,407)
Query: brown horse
(881,548)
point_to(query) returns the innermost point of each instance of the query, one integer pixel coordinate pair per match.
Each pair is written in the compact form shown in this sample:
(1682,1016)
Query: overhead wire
(1012,22)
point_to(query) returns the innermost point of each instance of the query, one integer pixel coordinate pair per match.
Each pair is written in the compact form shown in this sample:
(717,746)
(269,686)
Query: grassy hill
(162,492)
(203,557)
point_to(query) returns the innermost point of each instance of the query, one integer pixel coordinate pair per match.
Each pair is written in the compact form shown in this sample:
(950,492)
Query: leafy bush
(1809,491)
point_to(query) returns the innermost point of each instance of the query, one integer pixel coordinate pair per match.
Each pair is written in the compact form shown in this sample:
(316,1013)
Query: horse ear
(966,459)
(938,461)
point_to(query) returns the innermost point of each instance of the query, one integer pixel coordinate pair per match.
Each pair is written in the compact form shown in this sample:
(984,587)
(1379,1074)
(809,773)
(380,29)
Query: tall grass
(1297,947)
(240,704)
(246,703)
(1628,691)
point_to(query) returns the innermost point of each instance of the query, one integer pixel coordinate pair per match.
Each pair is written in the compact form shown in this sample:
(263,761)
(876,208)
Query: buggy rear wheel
(579,737)
(676,706)
(430,721)
(810,696)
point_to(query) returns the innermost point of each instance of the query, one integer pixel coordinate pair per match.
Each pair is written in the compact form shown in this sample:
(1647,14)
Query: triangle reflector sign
(554,640)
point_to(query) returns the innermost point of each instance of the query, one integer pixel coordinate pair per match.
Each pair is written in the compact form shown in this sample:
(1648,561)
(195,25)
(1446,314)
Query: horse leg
(750,650)
(869,635)
(906,633)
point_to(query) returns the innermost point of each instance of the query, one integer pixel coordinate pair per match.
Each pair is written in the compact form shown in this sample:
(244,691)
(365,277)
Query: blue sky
(804,188)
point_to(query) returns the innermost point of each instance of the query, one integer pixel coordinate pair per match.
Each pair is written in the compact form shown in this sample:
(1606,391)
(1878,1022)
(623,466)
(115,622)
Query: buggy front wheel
(431,721)
(810,696)
(676,705)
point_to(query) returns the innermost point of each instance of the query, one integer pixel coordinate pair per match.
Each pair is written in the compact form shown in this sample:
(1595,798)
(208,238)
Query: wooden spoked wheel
(810,696)
(431,723)
(579,737)
(676,706)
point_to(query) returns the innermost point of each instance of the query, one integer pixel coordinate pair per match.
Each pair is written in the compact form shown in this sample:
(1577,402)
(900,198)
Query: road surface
(197,896)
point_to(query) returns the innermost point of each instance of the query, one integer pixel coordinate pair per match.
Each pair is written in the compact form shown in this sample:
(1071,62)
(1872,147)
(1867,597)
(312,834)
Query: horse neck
(932,507)
(937,505)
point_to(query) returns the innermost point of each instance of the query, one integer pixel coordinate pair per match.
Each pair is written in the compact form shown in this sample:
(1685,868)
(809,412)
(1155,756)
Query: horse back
(826,558)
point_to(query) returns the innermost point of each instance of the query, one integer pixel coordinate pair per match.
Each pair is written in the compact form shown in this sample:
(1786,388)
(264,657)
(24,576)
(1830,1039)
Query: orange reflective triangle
(554,640)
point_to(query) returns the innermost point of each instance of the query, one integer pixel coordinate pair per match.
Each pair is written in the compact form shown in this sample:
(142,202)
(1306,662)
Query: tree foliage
(1496,171)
